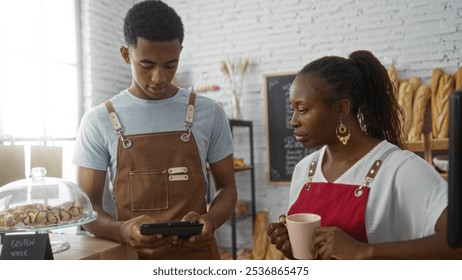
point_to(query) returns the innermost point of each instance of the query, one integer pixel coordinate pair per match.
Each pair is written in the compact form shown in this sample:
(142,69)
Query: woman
(376,200)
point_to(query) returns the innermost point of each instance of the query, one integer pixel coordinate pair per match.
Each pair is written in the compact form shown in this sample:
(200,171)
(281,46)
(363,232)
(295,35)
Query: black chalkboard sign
(284,152)
(35,246)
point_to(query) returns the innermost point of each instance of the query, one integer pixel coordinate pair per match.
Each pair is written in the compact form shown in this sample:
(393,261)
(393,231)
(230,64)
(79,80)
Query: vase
(237,114)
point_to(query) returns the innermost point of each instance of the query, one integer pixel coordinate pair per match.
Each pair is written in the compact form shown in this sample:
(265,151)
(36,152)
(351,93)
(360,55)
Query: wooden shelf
(433,144)
(427,146)
(440,144)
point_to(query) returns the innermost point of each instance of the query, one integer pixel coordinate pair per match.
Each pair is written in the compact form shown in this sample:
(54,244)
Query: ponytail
(365,81)
(378,110)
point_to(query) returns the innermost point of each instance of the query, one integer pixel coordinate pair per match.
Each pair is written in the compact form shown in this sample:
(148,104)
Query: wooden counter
(92,248)
(86,247)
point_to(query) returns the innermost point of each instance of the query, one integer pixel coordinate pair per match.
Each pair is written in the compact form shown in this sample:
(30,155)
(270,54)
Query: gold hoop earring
(343,133)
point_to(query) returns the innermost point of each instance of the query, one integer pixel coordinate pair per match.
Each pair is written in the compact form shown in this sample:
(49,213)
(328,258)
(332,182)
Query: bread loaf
(419,106)
(436,75)
(272,253)
(393,74)
(260,236)
(440,106)
(405,98)
(458,79)
(415,82)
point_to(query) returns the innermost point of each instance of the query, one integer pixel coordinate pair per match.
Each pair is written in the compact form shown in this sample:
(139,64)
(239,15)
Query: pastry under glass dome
(42,203)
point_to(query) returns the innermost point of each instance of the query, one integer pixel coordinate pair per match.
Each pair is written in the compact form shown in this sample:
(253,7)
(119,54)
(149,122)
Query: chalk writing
(26,242)
(21,253)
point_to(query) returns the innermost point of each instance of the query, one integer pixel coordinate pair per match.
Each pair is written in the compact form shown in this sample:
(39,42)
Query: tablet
(183,229)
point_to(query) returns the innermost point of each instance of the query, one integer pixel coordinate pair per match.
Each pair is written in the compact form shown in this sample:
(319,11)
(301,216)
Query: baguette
(405,98)
(272,253)
(260,238)
(440,106)
(436,75)
(458,79)
(419,106)
(415,82)
(393,74)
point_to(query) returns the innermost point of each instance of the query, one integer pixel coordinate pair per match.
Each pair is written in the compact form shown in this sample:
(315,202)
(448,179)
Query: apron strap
(113,117)
(116,124)
(373,170)
(188,121)
(312,170)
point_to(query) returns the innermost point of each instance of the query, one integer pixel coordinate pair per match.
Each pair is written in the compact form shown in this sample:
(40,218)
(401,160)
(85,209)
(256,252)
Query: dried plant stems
(234,71)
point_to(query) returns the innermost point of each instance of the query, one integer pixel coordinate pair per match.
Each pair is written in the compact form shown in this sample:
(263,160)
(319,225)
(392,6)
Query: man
(156,140)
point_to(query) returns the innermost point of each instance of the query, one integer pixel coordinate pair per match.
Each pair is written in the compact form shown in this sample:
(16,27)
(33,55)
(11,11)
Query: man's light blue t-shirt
(96,143)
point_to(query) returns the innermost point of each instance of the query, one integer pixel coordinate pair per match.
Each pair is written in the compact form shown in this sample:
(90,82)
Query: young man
(156,140)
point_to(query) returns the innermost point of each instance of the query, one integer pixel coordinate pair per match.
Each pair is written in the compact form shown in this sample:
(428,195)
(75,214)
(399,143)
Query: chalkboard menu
(284,152)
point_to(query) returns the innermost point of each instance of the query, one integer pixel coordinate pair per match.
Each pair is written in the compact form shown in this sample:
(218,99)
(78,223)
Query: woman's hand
(334,243)
(153,245)
(279,236)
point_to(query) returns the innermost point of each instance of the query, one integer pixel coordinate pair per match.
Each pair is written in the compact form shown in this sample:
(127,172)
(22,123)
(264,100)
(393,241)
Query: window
(39,81)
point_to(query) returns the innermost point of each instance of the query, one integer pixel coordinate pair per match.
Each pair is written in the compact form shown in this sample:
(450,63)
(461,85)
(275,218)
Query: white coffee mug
(301,230)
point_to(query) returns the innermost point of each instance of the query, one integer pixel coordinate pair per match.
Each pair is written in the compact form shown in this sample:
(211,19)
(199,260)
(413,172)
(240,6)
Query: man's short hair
(152,20)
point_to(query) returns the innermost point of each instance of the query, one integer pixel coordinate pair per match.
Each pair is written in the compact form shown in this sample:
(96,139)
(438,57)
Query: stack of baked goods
(414,97)
(40,215)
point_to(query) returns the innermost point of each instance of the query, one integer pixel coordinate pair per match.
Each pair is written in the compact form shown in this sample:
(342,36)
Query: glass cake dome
(42,203)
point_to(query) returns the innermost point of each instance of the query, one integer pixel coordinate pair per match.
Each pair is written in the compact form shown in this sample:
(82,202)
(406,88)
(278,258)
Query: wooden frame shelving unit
(428,146)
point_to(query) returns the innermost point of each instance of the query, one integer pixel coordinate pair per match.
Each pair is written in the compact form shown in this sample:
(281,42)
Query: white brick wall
(278,35)
(104,72)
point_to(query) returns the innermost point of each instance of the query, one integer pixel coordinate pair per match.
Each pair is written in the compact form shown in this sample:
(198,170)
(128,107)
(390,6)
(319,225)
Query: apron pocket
(148,190)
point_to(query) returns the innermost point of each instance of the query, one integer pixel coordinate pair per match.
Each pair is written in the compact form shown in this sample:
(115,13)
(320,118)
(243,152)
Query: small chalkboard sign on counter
(33,246)
(284,152)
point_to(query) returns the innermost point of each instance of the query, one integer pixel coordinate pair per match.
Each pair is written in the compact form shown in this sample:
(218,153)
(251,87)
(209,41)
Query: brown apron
(160,175)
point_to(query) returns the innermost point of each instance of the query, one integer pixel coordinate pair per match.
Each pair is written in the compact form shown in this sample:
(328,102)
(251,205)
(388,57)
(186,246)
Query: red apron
(160,175)
(338,205)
